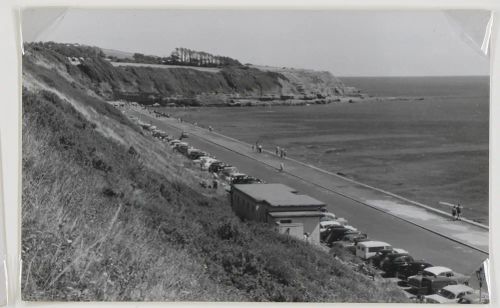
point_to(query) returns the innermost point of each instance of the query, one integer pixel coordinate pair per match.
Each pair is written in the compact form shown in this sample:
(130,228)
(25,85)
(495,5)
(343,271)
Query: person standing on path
(454,212)
(459,211)
(284,153)
(260,148)
(277,150)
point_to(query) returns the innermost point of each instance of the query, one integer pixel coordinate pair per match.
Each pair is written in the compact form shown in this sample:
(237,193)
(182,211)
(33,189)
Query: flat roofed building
(294,213)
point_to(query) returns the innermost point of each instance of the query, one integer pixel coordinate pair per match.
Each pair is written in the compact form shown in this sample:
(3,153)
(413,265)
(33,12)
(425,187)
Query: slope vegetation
(111,214)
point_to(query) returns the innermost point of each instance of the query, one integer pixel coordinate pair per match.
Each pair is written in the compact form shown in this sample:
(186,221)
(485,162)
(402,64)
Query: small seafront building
(293,213)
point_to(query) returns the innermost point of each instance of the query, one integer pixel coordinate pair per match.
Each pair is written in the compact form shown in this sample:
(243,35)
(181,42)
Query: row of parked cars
(223,171)
(433,284)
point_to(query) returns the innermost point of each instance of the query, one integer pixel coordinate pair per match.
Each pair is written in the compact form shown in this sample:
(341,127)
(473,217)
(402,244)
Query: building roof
(295,214)
(277,195)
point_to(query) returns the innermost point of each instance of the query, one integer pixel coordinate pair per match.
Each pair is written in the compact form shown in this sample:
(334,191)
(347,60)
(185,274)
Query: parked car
(382,254)
(449,294)
(333,234)
(434,278)
(392,263)
(227,172)
(182,147)
(194,155)
(412,268)
(206,161)
(174,142)
(350,240)
(245,180)
(328,216)
(184,135)
(367,249)
(325,224)
(474,298)
(216,166)
(180,143)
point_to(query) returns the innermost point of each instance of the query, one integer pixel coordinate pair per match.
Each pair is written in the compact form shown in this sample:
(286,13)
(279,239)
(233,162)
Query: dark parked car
(216,166)
(382,254)
(349,240)
(245,179)
(196,154)
(412,268)
(334,233)
(377,258)
(392,263)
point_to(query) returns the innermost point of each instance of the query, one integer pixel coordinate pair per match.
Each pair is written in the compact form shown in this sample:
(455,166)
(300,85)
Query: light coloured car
(435,278)
(449,294)
(368,249)
(328,216)
(399,250)
(206,162)
(475,298)
(200,159)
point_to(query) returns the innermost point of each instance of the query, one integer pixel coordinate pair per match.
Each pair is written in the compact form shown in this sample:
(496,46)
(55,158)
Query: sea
(428,86)
(432,148)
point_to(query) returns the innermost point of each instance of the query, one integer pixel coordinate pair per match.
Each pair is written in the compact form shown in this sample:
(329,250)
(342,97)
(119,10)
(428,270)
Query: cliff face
(163,84)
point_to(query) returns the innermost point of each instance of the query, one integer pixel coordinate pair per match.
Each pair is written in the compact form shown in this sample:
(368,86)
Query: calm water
(429,150)
(421,86)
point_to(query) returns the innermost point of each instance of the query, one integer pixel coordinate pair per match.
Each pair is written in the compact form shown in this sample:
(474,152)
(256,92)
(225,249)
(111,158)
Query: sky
(346,43)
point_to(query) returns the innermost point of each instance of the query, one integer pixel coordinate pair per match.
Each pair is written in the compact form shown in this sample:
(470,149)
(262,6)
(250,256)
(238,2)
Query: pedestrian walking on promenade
(277,150)
(260,148)
(454,212)
(282,167)
(459,211)
(284,153)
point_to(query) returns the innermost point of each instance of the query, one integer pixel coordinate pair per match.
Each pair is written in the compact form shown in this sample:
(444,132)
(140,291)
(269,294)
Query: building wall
(295,230)
(309,225)
(246,207)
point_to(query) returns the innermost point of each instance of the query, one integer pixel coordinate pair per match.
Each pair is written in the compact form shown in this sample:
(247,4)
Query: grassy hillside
(111,214)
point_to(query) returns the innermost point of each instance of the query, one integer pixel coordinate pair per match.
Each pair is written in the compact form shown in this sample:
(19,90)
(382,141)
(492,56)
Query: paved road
(421,243)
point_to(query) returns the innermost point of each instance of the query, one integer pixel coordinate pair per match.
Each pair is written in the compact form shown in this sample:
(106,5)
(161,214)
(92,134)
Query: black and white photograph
(246,155)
